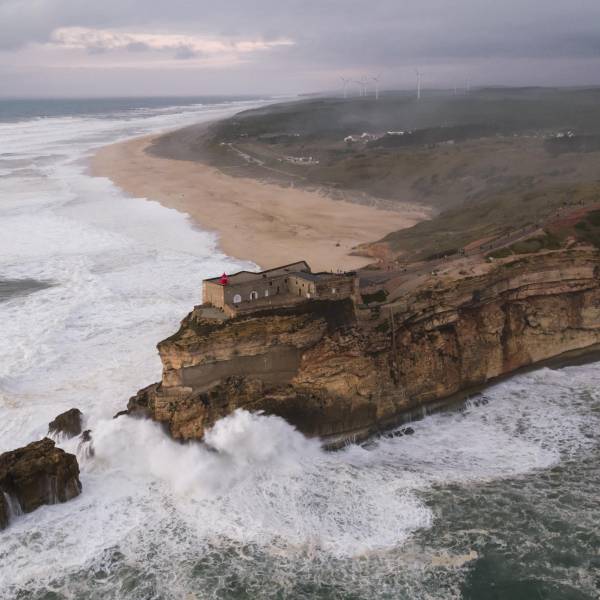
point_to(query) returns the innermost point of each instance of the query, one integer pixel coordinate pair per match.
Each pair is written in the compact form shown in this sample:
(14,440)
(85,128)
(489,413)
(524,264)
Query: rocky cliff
(340,372)
(36,474)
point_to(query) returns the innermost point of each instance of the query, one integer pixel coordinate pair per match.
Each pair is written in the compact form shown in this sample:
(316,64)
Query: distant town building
(301,160)
(364,138)
(280,286)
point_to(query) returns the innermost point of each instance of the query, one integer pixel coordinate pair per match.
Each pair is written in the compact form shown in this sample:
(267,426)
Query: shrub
(548,241)
(527,246)
(378,296)
(594,218)
(383,327)
(500,253)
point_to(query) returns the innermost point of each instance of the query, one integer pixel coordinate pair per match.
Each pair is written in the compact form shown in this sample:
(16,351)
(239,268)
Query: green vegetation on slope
(495,216)
(548,241)
(588,229)
(503,109)
(487,162)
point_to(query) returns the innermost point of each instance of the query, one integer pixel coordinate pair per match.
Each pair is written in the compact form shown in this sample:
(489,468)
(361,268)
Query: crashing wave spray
(85,447)
(259,471)
(13,506)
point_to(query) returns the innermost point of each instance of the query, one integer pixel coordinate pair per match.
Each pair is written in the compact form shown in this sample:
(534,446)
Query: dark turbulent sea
(23,109)
(499,500)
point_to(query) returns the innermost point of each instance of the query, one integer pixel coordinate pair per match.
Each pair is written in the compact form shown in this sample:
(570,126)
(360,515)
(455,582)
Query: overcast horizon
(128,48)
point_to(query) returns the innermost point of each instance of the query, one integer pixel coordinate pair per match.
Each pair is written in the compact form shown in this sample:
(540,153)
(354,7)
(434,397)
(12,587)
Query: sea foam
(258,497)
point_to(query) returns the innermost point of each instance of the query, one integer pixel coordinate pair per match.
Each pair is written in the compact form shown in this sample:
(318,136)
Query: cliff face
(336,373)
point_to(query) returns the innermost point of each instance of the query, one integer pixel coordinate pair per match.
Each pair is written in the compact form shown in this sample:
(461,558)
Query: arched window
(253,295)
(237,299)
(266,293)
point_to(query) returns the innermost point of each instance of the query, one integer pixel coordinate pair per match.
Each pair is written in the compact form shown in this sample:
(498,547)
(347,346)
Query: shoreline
(264,223)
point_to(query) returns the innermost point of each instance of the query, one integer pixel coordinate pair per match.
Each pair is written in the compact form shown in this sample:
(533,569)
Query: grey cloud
(332,35)
(185,52)
(95,50)
(137,47)
(418,27)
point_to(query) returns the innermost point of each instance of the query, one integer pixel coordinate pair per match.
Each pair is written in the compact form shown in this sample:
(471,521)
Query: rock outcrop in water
(67,424)
(339,372)
(37,474)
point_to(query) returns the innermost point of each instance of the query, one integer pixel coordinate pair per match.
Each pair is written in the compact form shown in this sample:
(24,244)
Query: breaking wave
(259,511)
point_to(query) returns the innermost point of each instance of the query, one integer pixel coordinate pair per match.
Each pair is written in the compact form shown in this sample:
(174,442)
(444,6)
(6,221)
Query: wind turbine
(345,82)
(376,80)
(419,75)
(360,87)
(363,81)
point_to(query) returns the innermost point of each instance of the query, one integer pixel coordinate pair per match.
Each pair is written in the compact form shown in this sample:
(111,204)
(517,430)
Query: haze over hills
(484,162)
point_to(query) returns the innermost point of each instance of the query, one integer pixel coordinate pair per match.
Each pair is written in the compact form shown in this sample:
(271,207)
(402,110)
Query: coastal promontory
(345,369)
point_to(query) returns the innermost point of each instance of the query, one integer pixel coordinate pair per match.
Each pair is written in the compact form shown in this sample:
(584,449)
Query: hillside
(485,162)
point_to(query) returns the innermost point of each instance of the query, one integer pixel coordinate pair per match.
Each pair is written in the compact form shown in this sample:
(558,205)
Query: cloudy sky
(165,47)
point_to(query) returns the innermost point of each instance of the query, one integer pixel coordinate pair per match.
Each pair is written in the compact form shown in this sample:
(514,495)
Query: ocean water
(498,500)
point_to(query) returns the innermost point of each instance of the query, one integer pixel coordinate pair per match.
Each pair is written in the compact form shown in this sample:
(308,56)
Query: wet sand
(263,223)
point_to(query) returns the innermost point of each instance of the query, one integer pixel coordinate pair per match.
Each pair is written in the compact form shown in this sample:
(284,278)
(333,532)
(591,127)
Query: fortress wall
(278,365)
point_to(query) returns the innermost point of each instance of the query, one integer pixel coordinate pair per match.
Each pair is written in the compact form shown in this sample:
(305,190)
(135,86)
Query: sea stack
(67,424)
(37,474)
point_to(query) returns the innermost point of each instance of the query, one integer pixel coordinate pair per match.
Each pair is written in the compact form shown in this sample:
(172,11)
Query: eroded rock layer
(336,371)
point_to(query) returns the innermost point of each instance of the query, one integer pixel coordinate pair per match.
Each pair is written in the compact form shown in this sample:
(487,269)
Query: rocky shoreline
(343,371)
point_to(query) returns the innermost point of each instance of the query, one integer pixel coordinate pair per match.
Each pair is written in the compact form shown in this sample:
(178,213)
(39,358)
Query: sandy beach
(264,223)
